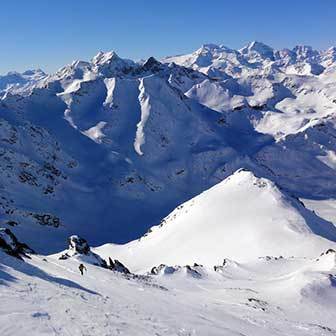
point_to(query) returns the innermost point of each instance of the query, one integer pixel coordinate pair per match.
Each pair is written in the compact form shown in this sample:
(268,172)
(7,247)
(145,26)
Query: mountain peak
(244,214)
(258,48)
(210,46)
(151,64)
(105,57)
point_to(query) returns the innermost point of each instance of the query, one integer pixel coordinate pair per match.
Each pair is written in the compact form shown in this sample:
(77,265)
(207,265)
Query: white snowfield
(241,218)
(241,143)
(46,296)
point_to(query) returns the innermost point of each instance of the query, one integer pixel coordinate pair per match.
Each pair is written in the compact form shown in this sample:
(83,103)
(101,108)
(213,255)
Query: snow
(145,112)
(329,159)
(325,208)
(106,148)
(238,219)
(279,296)
(193,128)
(96,132)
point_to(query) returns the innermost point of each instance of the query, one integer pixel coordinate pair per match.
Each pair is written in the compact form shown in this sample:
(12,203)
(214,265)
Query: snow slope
(324,208)
(241,218)
(47,296)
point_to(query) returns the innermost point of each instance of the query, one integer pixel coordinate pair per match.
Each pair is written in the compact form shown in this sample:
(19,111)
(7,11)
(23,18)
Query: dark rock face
(219,268)
(47,219)
(162,268)
(10,244)
(79,247)
(78,244)
(167,270)
(152,64)
(329,251)
(117,266)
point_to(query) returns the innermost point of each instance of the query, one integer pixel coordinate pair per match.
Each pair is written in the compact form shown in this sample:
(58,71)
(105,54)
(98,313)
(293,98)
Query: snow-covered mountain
(238,219)
(226,158)
(82,146)
(20,83)
(99,137)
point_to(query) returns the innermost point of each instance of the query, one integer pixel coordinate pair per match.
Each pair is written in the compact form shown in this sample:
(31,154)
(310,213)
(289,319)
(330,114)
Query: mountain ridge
(150,135)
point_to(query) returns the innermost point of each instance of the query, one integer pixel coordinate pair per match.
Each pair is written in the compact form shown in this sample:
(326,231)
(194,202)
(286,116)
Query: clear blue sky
(51,33)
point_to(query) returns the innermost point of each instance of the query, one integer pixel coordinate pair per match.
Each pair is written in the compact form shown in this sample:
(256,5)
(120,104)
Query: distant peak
(210,46)
(302,47)
(257,46)
(214,47)
(151,61)
(105,57)
(244,172)
(30,72)
(331,49)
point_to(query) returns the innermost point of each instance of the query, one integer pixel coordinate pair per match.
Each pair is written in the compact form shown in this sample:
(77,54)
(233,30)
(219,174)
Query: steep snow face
(96,132)
(110,64)
(257,51)
(214,95)
(145,111)
(241,218)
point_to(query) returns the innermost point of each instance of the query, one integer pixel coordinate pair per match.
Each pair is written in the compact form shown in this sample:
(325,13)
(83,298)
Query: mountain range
(201,186)
(82,146)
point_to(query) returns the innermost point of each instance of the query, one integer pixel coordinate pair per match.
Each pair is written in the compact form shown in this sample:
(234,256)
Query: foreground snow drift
(267,296)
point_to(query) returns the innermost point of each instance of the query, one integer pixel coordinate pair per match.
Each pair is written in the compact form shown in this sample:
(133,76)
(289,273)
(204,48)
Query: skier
(82,268)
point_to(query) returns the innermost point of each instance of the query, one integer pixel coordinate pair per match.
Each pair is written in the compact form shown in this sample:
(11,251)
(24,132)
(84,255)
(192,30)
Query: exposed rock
(47,219)
(166,270)
(78,244)
(328,251)
(163,269)
(11,223)
(79,247)
(10,244)
(117,266)
(226,263)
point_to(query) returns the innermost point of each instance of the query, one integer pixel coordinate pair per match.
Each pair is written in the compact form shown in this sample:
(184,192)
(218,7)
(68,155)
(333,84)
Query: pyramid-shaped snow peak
(242,218)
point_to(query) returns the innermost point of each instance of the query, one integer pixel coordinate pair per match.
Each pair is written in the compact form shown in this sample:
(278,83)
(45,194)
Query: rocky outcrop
(78,247)
(194,271)
(11,245)
(117,266)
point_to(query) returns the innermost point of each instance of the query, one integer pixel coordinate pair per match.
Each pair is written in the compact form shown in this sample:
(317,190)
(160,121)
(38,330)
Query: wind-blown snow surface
(46,296)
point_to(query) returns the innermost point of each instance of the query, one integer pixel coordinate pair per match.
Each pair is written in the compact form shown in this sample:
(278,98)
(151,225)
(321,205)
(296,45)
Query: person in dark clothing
(82,268)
